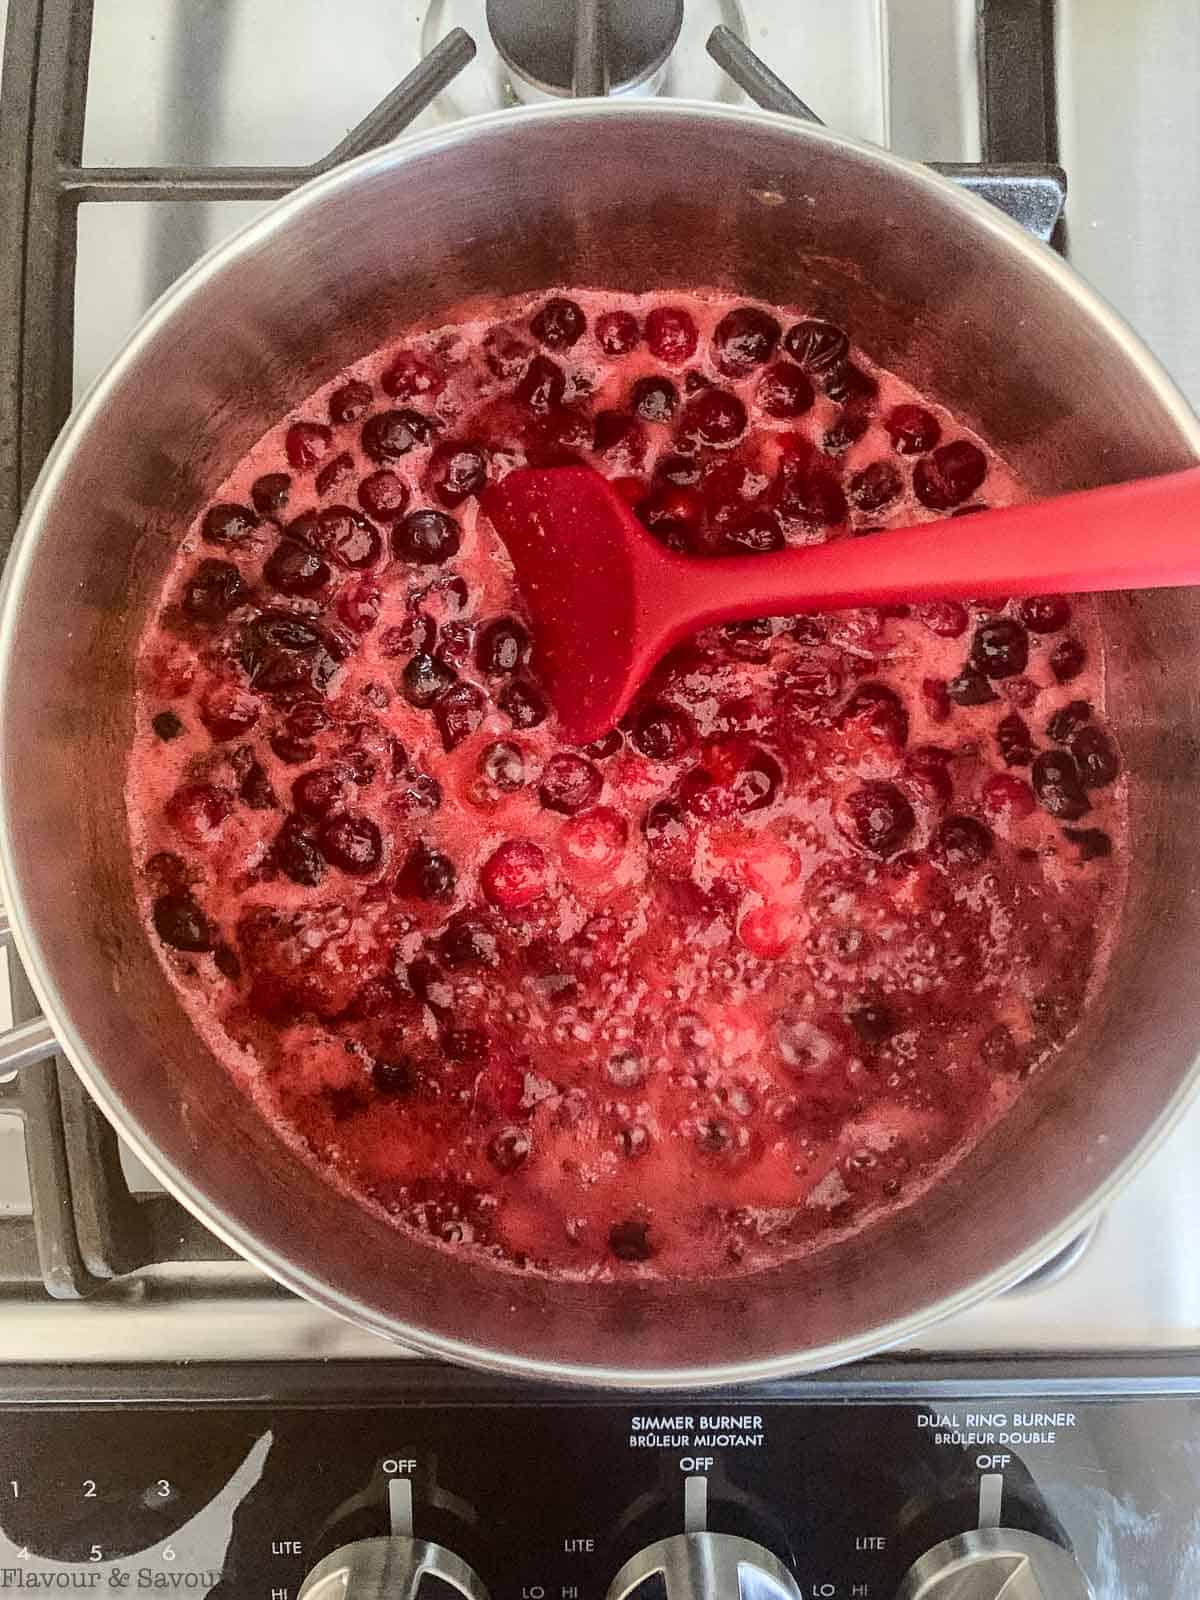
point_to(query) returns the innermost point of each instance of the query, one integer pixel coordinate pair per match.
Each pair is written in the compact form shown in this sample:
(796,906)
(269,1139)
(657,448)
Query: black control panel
(236,1481)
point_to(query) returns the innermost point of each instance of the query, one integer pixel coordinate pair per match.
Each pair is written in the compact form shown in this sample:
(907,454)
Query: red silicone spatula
(607,599)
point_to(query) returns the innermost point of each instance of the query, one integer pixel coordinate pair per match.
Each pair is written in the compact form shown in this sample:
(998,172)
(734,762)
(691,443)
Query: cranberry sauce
(734,979)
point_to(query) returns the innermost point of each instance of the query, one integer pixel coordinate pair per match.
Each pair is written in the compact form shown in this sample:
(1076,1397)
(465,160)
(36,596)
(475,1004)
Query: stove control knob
(704,1566)
(995,1564)
(390,1569)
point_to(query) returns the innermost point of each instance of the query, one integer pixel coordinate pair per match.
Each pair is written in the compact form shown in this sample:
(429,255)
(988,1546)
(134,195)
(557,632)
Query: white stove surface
(257,81)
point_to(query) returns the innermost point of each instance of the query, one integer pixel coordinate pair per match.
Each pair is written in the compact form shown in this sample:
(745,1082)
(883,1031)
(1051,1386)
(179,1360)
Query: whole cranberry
(950,475)
(809,492)
(912,429)
(745,338)
(1044,613)
(654,399)
(1095,756)
(928,769)
(510,1149)
(501,647)
(352,843)
(877,817)
(847,430)
(816,345)
(307,443)
(347,537)
(671,335)
(409,376)
(559,324)
(735,778)
(228,712)
(961,842)
(515,874)
(212,591)
(457,470)
(875,486)
(427,874)
(848,385)
(425,680)
(970,688)
(570,783)
(592,841)
(879,712)
(673,514)
(784,391)
(296,854)
(617,333)
(198,811)
(317,793)
(426,537)
(390,435)
(382,494)
(946,618)
(269,494)
(522,704)
(350,402)
(757,531)
(180,923)
(542,386)
(663,732)
(1067,659)
(228,524)
(502,764)
(506,353)
(1067,721)
(458,713)
(713,417)
(292,569)
(1000,648)
(1058,785)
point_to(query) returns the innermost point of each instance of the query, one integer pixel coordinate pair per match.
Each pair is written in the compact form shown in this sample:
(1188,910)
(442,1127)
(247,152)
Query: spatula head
(584,565)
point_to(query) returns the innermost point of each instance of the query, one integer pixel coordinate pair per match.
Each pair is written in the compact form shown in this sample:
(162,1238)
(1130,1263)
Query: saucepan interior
(635,197)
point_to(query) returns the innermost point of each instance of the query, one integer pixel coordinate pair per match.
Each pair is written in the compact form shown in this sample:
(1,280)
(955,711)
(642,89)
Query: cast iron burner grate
(87,1229)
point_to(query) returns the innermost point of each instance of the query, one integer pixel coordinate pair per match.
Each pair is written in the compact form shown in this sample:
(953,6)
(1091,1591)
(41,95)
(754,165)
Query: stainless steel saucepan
(634,196)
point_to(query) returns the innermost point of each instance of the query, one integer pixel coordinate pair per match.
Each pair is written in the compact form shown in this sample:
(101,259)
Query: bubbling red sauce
(739,977)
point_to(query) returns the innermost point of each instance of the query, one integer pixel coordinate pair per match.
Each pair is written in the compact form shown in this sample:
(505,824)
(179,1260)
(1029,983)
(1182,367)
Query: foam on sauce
(740,1018)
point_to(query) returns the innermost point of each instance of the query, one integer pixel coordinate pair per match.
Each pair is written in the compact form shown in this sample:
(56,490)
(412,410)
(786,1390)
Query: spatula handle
(1142,535)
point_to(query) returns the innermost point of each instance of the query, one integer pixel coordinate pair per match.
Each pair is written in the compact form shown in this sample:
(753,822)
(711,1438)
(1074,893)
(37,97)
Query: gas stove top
(250,81)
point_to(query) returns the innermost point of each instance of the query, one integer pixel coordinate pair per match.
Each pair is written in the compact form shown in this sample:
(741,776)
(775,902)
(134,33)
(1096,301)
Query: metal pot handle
(27,1042)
